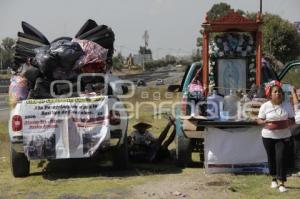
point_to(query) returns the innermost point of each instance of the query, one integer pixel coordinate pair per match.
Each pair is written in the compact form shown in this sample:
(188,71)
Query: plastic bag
(31,73)
(18,89)
(195,87)
(41,90)
(99,67)
(88,25)
(196,90)
(196,95)
(66,53)
(61,74)
(60,54)
(93,53)
(45,61)
(29,29)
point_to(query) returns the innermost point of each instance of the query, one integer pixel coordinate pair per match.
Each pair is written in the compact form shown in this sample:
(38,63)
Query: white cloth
(297,113)
(139,138)
(234,146)
(234,150)
(271,112)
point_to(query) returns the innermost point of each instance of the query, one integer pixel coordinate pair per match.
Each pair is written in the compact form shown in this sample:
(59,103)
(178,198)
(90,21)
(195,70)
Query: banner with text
(64,128)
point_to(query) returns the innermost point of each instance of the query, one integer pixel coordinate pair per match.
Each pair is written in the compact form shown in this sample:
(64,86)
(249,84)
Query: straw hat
(142,125)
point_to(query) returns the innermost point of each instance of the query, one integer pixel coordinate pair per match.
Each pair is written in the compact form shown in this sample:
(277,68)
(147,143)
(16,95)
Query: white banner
(64,128)
(234,150)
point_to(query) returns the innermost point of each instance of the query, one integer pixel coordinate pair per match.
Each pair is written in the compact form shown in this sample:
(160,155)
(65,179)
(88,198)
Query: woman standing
(276,116)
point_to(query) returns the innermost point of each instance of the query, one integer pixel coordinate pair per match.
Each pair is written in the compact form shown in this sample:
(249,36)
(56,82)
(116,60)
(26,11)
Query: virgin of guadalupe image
(231,77)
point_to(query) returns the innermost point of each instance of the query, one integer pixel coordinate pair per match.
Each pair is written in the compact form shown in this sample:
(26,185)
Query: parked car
(141,82)
(64,128)
(160,82)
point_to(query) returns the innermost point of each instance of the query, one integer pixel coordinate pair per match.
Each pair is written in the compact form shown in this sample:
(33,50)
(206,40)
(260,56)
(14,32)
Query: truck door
(291,74)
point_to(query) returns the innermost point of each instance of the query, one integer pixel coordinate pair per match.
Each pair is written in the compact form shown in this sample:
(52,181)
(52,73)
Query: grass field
(83,179)
(5,76)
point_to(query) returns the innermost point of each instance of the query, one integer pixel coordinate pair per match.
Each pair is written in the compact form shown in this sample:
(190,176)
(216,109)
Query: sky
(173,25)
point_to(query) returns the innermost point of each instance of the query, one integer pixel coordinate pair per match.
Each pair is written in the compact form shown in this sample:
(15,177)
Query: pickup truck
(189,130)
(69,127)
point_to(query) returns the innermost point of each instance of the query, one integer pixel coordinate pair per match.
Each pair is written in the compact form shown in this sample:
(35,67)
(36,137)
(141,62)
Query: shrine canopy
(230,23)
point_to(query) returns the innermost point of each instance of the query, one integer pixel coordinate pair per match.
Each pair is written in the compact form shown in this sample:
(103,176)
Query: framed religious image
(231,75)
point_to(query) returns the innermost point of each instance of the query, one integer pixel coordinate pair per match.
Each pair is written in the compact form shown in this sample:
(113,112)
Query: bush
(117,63)
(155,64)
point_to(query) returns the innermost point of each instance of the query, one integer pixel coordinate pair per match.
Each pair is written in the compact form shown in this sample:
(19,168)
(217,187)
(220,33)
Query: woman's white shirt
(271,112)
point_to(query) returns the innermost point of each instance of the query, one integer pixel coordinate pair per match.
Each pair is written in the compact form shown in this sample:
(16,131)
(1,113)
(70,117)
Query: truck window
(292,76)
(190,74)
(268,74)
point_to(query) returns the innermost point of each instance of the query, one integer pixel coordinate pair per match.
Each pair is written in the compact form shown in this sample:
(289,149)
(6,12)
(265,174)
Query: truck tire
(120,156)
(183,151)
(20,165)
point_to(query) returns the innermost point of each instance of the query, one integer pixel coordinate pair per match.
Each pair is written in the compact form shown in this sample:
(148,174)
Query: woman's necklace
(276,109)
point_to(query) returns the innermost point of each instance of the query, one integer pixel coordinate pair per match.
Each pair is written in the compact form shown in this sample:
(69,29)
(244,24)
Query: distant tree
(218,10)
(280,38)
(120,57)
(117,63)
(199,41)
(8,43)
(251,15)
(170,59)
(241,12)
(7,50)
(197,55)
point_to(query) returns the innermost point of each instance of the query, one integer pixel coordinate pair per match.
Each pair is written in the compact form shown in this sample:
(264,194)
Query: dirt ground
(138,182)
(83,179)
(193,184)
(161,182)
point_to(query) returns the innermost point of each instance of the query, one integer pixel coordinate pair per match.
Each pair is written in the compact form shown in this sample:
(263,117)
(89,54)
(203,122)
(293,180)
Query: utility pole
(143,62)
(260,6)
(146,38)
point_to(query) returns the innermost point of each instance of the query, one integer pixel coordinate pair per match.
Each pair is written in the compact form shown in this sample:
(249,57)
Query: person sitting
(144,146)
